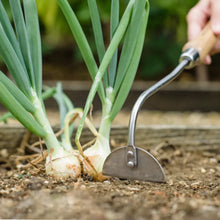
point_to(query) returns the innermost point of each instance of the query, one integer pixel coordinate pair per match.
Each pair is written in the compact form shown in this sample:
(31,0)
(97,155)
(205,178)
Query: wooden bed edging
(148,137)
(177,96)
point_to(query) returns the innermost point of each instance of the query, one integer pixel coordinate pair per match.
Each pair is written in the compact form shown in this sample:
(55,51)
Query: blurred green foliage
(165,37)
(167,33)
(54,24)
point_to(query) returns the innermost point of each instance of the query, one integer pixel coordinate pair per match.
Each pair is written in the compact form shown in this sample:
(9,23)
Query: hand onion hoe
(134,163)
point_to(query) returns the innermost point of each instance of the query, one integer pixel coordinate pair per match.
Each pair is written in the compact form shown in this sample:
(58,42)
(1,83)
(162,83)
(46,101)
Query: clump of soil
(192,191)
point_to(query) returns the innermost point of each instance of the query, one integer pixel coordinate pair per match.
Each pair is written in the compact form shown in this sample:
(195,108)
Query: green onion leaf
(18,111)
(6,24)
(6,116)
(81,41)
(14,65)
(65,105)
(105,62)
(62,108)
(130,42)
(97,30)
(48,92)
(22,37)
(17,93)
(131,71)
(34,38)
(113,25)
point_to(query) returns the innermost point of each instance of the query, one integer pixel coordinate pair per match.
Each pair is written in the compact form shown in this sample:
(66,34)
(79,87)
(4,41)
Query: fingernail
(216,28)
(208,60)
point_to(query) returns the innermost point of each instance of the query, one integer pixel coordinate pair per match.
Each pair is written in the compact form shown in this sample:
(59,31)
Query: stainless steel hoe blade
(134,163)
(147,168)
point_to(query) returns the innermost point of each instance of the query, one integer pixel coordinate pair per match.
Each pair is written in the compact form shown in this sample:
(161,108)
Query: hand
(197,18)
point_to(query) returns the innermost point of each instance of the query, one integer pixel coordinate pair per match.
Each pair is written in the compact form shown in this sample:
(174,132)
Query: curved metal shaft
(146,94)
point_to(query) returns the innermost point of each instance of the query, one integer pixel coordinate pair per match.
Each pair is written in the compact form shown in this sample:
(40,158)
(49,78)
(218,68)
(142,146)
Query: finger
(197,18)
(207,60)
(215,18)
(216,48)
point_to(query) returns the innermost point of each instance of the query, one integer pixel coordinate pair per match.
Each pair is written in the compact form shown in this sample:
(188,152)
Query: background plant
(167,34)
(54,24)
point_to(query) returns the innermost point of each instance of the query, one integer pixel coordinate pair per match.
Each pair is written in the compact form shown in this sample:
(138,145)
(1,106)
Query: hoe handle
(194,52)
(204,43)
(149,92)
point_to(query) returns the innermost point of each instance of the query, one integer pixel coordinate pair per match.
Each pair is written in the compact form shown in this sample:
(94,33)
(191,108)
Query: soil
(192,190)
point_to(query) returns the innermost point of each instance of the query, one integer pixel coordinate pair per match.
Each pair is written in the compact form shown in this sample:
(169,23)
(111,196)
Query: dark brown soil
(192,191)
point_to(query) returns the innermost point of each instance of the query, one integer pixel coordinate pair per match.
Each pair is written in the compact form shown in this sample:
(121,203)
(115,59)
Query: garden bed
(189,155)
(187,144)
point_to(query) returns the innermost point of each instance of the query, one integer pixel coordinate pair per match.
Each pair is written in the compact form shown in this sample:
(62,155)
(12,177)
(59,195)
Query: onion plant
(20,49)
(112,75)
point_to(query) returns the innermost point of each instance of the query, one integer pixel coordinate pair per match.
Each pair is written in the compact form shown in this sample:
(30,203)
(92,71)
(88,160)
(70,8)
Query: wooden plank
(177,96)
(147,137)
(11,137)
(190,137)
